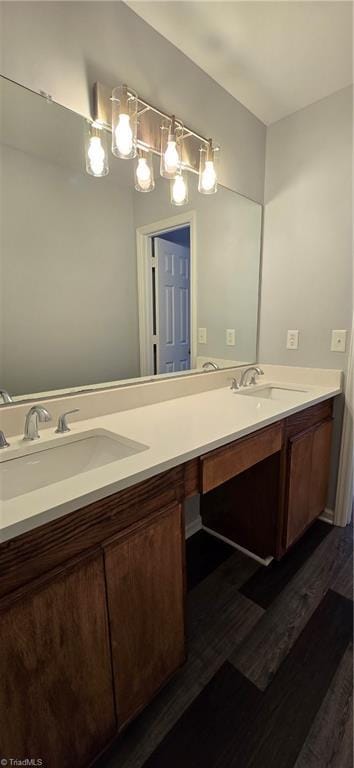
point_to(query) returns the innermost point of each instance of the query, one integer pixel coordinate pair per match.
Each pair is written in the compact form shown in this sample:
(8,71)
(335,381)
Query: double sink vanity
(130,398)
(92,550)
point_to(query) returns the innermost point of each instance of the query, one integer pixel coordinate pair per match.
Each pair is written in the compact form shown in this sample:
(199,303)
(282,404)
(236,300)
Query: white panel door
(173,305)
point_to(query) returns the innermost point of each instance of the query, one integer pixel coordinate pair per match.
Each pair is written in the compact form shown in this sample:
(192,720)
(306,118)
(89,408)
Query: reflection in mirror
(101,282)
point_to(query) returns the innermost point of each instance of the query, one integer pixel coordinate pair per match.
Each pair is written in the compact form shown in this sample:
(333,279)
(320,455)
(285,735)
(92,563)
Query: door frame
(344,497)
(144,237)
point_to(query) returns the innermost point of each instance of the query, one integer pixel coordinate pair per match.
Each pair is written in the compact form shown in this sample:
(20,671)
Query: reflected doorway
(170,275)
(166,305)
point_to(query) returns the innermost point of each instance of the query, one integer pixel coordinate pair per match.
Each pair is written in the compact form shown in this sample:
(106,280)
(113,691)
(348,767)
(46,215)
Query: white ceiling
(274,57)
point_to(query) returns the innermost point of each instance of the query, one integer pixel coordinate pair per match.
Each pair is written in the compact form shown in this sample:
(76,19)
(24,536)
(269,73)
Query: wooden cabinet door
(308,475)
(321,456)
(56,691)
(299,480)
(145,587)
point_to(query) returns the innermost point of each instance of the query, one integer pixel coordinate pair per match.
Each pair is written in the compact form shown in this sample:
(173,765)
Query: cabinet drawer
(221,465)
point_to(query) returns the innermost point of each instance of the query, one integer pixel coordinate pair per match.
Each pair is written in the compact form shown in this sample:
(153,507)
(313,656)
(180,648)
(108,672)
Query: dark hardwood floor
(267,583)
(268,680)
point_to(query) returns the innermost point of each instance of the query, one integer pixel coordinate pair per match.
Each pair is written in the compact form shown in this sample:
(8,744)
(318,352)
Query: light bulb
(96,156)
(179,191)
(171,157)
(143,174)
(208,176)
(124,135)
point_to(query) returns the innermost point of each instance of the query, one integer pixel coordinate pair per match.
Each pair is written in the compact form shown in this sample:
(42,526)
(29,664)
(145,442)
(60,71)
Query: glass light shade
(171,149)
(208,167)
(96,150)
(179,189)
(124,122)
(144,172)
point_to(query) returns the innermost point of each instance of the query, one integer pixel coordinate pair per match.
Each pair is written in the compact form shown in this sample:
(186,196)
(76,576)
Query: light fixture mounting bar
(149,126)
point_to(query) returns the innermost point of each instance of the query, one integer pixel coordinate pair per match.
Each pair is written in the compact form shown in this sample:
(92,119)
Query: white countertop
(174,431)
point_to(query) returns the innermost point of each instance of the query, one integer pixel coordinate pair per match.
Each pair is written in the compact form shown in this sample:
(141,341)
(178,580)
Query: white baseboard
(327,516)
(193,527)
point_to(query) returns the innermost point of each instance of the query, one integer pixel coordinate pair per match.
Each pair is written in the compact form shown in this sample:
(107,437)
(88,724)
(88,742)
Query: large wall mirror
(101,283)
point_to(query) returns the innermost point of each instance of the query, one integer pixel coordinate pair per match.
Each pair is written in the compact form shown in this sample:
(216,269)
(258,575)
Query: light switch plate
(338,341)
(292,340)
(230,337)
(202,335)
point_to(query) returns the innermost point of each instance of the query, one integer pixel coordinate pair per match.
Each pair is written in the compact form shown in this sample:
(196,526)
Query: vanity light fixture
(171,148)
(179,189)
(208,180)
(124,122)
(96,150)
(139,128)
(144,172)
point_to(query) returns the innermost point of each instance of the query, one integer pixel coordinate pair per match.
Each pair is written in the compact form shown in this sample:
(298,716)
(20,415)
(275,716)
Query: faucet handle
(234,384)
(3,441)
(62,422)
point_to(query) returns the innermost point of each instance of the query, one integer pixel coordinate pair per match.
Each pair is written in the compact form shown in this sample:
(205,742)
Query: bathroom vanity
(135,310)
(92,598)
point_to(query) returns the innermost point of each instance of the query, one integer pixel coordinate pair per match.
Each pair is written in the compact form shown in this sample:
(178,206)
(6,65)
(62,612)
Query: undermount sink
(275,393)
(55,461)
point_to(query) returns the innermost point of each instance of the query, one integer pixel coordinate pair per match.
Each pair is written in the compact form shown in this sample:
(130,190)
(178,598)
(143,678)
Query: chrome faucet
(257,372)
(35,414)
(6,398)
(209,364)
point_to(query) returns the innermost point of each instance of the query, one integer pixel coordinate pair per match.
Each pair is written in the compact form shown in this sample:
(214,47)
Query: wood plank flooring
(241,727)
(265,585)
(330,739)
(263,651)
(268,680)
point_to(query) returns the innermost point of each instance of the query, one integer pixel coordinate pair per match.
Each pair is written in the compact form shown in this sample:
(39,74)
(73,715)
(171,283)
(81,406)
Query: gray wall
(307,280)
(228,261)
(307,248)
(63,47)
(64,322)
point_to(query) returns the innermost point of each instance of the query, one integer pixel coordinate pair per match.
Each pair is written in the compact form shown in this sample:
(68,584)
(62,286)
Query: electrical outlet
(292,341)
(230,337)
(338,341)
(202,335)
